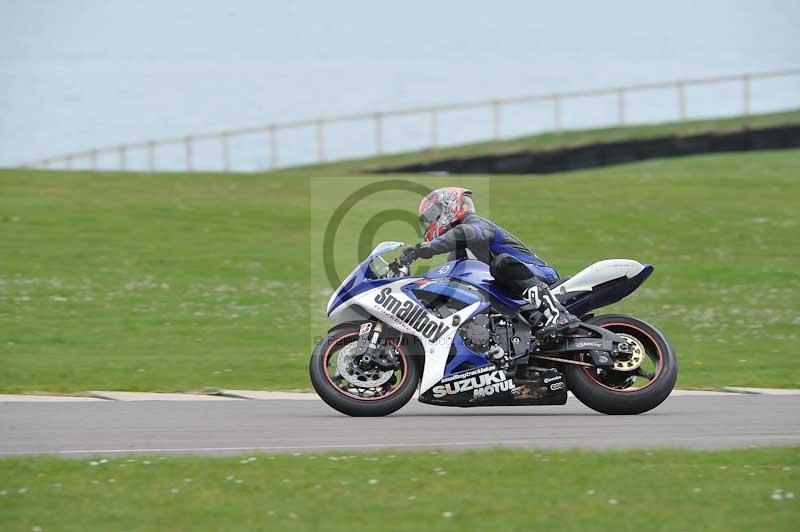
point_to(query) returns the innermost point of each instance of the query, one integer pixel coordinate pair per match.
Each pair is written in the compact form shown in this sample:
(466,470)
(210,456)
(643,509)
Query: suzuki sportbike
(461,341)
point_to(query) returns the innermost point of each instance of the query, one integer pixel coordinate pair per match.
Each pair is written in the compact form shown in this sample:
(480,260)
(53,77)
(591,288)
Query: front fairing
(394,301)
(361,278)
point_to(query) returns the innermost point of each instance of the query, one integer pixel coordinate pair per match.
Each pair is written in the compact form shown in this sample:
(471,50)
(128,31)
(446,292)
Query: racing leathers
(515,268)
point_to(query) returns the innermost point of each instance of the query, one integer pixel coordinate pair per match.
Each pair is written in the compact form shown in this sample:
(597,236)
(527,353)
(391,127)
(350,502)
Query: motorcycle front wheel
(636,384)
(356,391)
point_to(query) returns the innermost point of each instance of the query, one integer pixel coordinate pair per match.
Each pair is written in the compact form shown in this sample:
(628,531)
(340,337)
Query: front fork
(368,336)
(370,351)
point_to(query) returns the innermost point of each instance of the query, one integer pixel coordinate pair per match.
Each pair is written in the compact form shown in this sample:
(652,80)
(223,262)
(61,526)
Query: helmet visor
(429,216)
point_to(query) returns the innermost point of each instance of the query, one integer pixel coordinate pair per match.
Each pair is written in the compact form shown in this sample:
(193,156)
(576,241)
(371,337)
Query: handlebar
(397,269)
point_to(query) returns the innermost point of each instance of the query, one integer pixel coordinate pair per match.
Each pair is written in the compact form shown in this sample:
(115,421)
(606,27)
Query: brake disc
(349,370)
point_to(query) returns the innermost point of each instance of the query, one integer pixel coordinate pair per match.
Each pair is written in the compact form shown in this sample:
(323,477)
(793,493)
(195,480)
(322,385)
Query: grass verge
(753,489)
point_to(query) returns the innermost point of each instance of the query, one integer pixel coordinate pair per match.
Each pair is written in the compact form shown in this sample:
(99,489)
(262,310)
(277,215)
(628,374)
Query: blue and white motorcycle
(461,341)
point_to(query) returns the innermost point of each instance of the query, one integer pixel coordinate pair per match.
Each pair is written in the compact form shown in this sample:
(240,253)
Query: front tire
(615,392)
(345,398)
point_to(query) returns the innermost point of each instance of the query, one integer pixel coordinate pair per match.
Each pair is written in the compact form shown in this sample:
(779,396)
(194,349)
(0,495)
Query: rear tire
(600,397)
(338,398)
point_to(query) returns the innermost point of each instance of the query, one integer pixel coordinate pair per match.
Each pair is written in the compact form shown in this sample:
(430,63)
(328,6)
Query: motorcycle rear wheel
(614,392)
(349,399)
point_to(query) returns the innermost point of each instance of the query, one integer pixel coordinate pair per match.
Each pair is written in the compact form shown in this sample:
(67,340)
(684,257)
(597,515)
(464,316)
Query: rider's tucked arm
(458,239)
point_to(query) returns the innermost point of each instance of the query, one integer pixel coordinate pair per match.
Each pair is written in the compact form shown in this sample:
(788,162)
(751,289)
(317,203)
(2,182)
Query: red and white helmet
(442,209)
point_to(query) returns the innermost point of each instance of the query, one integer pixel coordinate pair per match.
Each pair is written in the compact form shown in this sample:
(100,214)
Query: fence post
(746,94)
(273,147)
(681,89)
(434,129)
(378,122)
(122,162)
(621,106)
(496,119)
(556,112)
(320,140)
(187,142)
(151,156)
(226,156)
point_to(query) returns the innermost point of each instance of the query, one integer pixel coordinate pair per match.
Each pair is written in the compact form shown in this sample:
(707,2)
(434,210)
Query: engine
(476,333)
(491,334)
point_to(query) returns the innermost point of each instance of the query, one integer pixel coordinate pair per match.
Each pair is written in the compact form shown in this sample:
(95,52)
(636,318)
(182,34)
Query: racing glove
(412,253)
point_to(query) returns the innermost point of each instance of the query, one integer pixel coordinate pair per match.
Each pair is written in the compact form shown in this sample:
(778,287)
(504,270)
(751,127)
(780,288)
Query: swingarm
(603,347)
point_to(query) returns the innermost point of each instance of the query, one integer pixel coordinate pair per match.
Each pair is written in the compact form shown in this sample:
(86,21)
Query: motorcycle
(461,341)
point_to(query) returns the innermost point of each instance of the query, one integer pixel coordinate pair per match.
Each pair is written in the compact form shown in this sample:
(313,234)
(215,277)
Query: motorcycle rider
(450,225)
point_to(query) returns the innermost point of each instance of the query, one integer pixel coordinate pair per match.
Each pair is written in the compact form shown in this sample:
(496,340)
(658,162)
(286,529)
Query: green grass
(152,282)
(479,490)
(181,282)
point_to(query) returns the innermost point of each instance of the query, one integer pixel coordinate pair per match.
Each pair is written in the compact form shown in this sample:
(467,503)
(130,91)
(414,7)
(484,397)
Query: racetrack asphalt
(232,426)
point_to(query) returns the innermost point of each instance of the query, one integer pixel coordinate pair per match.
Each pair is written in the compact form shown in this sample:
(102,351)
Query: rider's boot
(557,319)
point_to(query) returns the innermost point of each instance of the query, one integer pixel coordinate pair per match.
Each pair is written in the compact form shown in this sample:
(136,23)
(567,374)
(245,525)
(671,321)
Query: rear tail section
(601,284)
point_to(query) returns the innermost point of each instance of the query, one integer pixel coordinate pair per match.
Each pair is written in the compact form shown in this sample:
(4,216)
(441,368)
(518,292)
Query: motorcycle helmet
(442,209)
